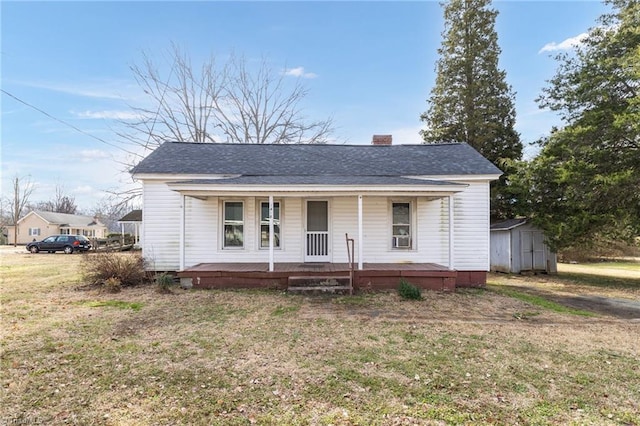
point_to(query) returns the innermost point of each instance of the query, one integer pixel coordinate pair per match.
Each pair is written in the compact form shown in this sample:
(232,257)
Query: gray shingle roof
(315,160)
(67,219)
(132,216)
(508,224)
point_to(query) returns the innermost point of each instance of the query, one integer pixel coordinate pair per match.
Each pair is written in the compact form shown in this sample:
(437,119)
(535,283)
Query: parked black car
(66,243)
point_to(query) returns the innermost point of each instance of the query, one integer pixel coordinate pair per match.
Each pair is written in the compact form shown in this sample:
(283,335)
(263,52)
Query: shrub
(408,290)
(164,282)
(112,285)
(128,268)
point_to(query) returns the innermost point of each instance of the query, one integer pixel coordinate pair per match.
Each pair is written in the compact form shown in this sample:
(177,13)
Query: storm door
(317,232)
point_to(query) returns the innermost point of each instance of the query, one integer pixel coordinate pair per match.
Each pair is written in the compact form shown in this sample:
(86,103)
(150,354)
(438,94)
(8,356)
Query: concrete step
(319,284)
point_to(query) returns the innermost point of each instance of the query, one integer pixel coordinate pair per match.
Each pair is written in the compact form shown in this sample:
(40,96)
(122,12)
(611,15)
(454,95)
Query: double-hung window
(401,225)
(233,224)
(264,224)
(34,232)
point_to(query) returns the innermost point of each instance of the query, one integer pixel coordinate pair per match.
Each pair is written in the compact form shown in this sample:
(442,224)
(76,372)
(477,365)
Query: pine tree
(584,186)
(471,101)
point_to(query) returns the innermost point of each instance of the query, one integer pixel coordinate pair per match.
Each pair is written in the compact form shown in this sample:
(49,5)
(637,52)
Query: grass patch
(283,310)
(599,280)
(539,301)
(260,357)
(135,306)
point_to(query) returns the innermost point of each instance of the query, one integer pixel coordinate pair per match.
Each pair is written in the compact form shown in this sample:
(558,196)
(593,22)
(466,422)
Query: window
(64,231)
(34,232)
(401,227)
(233,224)
(264,224)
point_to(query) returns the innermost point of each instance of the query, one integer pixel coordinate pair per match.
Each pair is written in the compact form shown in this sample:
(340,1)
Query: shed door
(317,232)
(532,243)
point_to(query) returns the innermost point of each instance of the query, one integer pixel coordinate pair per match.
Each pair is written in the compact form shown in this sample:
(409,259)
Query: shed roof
(508,224)
(132,216)
(315,160)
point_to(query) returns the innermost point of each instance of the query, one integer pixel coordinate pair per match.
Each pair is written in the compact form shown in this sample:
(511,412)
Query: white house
(277,209)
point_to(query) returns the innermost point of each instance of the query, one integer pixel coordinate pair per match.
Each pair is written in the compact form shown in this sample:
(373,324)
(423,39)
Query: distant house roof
(132,216)
(508,224)
(65,219)
(315,160)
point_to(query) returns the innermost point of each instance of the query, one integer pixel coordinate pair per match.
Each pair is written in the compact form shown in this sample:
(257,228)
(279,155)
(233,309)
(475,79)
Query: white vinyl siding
(203,232)
(430,232)
(471,228)
(204,237)
(161,218)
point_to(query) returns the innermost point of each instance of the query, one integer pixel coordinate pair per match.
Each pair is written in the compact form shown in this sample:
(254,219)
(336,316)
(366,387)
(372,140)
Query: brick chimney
(382,140)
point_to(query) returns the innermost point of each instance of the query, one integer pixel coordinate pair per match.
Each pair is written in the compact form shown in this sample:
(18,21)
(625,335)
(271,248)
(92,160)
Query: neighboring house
(132,219)
(416,211)
(518,246)
(40,224)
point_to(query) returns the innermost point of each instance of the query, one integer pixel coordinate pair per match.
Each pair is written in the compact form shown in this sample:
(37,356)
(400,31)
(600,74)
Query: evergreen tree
(471,101)
(585,183)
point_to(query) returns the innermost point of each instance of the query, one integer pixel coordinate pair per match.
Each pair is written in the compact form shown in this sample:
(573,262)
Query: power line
(68,124)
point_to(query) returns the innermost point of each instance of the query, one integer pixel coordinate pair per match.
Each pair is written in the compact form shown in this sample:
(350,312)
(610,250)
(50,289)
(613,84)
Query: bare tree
(110,209)
(61,203)
(22,190)
(231,103)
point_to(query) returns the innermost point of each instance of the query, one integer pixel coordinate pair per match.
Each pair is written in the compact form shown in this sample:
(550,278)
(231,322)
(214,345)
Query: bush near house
(99,268)
(408,291)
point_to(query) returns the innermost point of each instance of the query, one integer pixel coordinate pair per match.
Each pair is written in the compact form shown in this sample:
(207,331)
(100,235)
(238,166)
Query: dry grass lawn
(246,357)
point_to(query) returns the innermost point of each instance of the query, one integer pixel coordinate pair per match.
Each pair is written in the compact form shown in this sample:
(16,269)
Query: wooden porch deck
(373,276)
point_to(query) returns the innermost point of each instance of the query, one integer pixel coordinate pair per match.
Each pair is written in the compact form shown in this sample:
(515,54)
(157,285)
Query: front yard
(246,357)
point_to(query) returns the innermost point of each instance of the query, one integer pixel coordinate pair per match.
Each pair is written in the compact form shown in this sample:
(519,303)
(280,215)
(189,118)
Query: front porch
(373,276)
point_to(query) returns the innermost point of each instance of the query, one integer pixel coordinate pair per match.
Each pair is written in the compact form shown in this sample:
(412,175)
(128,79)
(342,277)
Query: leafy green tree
(471,101)
(585,183)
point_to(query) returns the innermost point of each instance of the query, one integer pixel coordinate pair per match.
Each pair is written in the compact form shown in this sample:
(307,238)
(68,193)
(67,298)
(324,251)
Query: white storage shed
(517,246)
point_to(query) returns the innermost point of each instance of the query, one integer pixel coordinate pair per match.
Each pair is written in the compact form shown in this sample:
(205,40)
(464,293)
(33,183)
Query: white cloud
(92,155)
(109,89)
(299,72)
(84,189)
(108,115)
(567,44)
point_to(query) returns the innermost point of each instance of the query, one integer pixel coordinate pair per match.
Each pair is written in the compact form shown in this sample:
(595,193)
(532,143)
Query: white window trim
(222,223)
(34,232)
(259,203)
(412,224)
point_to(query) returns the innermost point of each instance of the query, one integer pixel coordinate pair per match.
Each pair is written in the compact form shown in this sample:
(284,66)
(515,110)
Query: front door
(317,232)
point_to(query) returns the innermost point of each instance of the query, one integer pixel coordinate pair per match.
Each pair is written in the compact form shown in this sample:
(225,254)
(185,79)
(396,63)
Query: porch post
(360,237)
(270,233)
(451,267)
(122,232)
(182,229)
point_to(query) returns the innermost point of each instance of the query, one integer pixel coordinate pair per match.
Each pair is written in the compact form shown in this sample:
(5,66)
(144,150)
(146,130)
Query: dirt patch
(610,289)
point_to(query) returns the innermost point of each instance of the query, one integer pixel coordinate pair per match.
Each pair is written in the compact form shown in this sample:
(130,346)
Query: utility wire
(69,125)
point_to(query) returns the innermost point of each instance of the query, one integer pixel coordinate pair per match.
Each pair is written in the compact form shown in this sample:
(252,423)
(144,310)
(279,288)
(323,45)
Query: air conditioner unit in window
(402,242)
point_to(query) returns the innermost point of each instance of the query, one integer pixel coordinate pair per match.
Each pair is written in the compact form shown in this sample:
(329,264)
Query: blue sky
(369,65)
